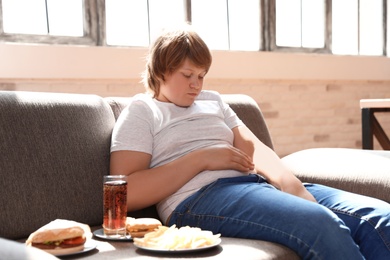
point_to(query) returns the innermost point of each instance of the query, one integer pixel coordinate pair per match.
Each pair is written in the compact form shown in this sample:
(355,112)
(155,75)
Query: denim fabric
(341,226)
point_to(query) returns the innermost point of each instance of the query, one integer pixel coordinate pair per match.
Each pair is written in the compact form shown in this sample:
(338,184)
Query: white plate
(184,250)
(100,234)
(88,246)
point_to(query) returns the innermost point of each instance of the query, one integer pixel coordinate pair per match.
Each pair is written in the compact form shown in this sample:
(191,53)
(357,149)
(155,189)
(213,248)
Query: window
(248,39)
(370,27)
(300,23)
(31,19)
(348,27)
(49,21)
(352,27)
(137,22)
(127,23)
(386,32)
(219,22)
(357,27)
(228,24)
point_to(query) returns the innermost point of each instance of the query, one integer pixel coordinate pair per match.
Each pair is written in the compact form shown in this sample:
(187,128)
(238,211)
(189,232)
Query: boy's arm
(268,164)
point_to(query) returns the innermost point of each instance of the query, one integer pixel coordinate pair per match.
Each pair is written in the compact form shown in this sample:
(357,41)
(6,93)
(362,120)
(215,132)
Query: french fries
(172,238)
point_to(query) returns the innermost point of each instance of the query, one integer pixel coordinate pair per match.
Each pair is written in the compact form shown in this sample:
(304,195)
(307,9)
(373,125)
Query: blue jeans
(341,226)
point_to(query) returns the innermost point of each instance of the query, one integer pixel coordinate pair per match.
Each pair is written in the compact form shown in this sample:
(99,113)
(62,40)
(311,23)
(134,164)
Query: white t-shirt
(167,132)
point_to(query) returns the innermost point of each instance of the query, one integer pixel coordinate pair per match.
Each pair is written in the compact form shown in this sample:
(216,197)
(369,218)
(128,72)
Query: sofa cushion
(54,151)
(366,172)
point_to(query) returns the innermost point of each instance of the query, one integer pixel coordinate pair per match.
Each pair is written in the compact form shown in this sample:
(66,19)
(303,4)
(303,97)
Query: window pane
(345,27)
(167,13)
(313,23)
(127,23)
(24,16)
(244,24)
(65,17)
(288,23)
(388,29)
(371,27)
(209,18)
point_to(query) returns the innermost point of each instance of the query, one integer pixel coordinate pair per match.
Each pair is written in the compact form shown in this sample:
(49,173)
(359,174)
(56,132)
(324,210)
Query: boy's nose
(195,84)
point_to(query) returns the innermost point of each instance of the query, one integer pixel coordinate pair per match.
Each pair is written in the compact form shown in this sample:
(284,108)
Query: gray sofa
(54,150)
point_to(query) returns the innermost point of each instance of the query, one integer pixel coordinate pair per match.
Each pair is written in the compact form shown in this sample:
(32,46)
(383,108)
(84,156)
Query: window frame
(272,31)
(384,22)
(94,29)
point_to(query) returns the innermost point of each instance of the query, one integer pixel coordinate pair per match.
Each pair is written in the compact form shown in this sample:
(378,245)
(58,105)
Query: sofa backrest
(54,150)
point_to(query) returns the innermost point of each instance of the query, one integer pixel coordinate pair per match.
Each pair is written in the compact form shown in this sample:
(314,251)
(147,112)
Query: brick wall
(300,114)
(309,114)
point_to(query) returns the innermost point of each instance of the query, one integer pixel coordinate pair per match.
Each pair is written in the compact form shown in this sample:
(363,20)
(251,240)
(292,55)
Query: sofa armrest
(365,172)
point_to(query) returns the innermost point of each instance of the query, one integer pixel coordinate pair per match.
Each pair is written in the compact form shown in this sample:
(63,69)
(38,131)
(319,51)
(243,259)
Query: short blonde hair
(168,53)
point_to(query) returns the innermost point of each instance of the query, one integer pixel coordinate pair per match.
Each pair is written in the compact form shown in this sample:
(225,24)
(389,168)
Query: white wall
(75,62)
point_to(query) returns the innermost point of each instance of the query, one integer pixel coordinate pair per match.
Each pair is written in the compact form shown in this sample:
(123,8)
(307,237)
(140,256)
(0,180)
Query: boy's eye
(190,75)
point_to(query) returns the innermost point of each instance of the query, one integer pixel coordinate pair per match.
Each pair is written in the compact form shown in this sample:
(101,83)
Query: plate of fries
(173,239)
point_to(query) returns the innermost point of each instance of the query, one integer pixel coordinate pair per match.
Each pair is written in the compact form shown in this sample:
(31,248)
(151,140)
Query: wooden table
(371,126)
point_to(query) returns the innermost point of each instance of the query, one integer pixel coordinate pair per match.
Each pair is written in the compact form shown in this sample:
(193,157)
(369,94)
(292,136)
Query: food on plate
(138,227)
(60,237)
(173,238)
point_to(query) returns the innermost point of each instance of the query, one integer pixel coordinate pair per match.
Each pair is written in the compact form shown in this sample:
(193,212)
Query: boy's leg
(248,208)
(367,218)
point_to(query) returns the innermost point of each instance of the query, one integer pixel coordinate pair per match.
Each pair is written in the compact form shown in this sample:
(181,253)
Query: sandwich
(60,237)
(138,227)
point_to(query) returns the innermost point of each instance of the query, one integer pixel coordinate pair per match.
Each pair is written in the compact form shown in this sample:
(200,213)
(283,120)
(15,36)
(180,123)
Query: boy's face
(183,85)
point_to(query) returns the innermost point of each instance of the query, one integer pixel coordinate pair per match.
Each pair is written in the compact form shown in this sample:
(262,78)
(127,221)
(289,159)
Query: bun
(138,227)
